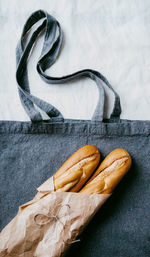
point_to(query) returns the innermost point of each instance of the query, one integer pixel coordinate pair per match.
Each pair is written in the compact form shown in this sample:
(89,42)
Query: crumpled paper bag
(47,225)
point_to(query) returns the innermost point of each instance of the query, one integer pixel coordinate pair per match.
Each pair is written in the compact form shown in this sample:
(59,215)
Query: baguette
(109,173)
(77,169)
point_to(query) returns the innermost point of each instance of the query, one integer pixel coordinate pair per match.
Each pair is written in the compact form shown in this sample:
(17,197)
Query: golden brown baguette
(109,173)
(77,169)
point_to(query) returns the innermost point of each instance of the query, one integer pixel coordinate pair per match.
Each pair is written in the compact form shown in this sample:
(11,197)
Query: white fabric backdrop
(110,36)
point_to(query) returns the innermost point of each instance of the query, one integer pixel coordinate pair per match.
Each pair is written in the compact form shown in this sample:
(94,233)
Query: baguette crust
(109,173)
(77,169)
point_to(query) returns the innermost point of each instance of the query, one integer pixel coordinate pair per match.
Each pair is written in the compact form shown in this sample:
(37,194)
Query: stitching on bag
(100,135)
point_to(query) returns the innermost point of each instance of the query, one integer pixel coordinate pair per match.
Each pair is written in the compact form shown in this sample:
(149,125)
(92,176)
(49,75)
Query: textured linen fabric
(32,151)
(109,36)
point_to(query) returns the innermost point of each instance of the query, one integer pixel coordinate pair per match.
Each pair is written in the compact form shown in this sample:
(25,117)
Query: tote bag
(30,152)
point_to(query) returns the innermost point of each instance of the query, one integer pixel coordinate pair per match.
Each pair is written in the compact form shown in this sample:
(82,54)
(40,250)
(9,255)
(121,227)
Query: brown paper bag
(46,226)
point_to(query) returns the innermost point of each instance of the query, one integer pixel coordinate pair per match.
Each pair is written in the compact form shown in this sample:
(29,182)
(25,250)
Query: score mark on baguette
(109,173)
(77,169)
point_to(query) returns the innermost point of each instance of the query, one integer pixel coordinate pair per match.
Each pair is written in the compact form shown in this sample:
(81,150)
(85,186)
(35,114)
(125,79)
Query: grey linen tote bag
(30,152)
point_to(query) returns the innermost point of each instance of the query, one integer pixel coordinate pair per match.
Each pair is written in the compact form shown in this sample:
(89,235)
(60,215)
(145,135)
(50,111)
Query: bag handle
(50,51)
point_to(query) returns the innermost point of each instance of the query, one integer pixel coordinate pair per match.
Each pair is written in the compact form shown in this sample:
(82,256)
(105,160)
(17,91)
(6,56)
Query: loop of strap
(50,51)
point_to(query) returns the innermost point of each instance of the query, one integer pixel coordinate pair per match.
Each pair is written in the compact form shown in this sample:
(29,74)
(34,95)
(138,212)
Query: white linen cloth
(112,37)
